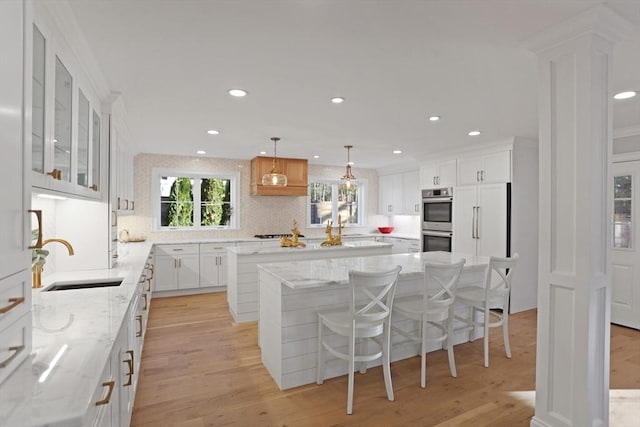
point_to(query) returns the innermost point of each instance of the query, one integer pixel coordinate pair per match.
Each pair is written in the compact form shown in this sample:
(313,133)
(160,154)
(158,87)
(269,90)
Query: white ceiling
(395,62)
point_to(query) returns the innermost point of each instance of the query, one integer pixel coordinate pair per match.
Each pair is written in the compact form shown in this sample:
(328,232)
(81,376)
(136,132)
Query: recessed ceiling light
(263,152)
(434,118)
(474,133)
(397,151)
(213,132)
(337,100)
(625,95)
(201,152)
(315,156)
(238,92)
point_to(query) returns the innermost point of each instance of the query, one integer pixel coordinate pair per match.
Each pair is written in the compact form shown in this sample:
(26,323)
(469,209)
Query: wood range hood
(295,169)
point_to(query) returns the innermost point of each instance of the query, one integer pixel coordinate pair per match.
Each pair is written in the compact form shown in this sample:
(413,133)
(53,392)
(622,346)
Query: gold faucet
(37,268)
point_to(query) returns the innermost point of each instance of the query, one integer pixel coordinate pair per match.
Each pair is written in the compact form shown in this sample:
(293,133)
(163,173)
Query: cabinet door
(492,220)
(469,170)
(296,171)
(390,194)
(188,271)
(496,168)
(411,193)
(447,173)
(428,173)
(464,203)
(166,273)
(223,272)
(13,205)
(208,269)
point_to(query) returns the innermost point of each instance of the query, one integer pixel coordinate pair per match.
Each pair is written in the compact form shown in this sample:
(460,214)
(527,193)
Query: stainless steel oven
(437,209)
(436,241)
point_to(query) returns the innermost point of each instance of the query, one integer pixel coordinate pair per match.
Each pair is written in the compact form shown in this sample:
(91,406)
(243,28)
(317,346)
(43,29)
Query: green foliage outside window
(181,209)
(215,196)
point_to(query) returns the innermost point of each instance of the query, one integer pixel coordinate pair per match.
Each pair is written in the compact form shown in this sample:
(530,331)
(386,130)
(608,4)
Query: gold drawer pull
(106,400)
(13,303)
(142,279)
(145,301)
(17,350)
(130,364)
(149,285)
(139,319)
(94,187)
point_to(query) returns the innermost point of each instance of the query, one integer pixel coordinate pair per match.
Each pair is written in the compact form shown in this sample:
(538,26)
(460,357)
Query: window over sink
(189,200)
(330,198)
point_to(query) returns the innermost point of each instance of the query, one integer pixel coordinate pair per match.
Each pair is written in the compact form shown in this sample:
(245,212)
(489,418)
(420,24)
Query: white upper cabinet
(67,151)
(411,192)
(487,168)
(438,174)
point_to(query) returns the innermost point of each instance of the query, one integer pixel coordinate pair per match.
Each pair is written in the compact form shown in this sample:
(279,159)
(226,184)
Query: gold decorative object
(333,240)
(292,242)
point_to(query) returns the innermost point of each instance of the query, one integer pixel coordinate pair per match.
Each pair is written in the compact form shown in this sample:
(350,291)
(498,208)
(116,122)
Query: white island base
(242,287)
(291,294)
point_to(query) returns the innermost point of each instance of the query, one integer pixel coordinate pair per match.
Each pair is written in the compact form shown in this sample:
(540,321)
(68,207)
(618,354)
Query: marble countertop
(324,272)
(76,329)
(246,250)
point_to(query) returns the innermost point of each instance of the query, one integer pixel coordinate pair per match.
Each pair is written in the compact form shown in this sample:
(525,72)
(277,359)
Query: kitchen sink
(63,286)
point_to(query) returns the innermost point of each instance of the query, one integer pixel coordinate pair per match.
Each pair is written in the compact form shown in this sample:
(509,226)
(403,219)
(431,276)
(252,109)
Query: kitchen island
(292,293)
(242,287)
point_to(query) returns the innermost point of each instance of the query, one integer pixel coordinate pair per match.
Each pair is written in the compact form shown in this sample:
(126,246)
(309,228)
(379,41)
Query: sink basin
(63,286)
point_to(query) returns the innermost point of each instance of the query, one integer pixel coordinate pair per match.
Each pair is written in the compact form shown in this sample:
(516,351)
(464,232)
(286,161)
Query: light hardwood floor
(201,369)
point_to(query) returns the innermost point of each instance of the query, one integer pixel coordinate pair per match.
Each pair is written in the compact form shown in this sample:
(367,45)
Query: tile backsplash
(257,214)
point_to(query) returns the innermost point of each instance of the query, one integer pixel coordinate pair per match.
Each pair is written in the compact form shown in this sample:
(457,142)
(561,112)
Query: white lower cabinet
(106,406)
(213,264)
(402,246)
(177,267)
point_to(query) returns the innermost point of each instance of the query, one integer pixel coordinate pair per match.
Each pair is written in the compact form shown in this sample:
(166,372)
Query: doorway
(625,291)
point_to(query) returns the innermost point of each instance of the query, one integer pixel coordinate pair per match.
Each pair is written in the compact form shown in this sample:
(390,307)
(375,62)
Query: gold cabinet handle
(139,331)
(55,174)
(13,303)
(129,363)
(132,205)
(38,213)
(149,284)
(142,279)
(145,302)
(16,351)
(114,222)
(118,203)
(106,400)
(94,187)
(126,204)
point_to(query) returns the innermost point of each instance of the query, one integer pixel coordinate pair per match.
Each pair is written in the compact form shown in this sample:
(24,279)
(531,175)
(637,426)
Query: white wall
(257,214)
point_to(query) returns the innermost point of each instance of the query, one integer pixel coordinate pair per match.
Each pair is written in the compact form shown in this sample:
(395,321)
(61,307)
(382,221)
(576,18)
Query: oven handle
(438,233)
(437,200)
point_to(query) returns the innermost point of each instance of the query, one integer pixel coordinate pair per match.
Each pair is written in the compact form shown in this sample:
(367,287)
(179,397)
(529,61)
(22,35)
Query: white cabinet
(439,174)
(68,152)
(390,194)
(15,281)
(402,246)
(398,194)
(411,193)
(487,168)
(480,225)
(125,199)
(177,267)
(213,264)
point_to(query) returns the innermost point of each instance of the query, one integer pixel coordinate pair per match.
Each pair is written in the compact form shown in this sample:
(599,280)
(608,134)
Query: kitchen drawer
(211,248)
(186,249)
(15,345)
(15,297)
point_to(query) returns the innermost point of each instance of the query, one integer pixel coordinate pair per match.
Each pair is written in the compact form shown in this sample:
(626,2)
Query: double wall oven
(437,214)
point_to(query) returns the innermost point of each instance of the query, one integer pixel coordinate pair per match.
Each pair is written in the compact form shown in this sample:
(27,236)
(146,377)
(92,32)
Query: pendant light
(348,177)
(274,178)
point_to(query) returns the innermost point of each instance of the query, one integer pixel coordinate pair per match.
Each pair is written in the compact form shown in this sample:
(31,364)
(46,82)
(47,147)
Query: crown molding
(601,20)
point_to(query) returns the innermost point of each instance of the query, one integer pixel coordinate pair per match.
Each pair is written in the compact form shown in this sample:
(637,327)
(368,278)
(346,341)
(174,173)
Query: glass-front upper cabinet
(95,149)
(38,79)
(83,140)
(62,121)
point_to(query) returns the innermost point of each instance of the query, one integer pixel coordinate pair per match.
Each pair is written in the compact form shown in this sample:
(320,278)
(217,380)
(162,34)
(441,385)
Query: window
(622,204)
(328,199)
(195,201)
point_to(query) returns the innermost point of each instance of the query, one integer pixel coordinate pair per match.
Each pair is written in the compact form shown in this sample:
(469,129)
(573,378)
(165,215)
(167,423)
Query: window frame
(158,173)
(335,184)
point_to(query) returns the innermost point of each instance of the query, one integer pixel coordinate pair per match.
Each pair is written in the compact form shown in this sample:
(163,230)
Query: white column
(572,364)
